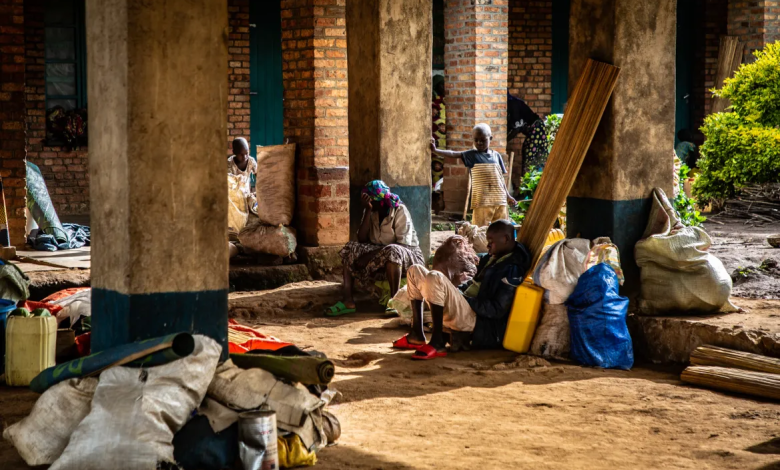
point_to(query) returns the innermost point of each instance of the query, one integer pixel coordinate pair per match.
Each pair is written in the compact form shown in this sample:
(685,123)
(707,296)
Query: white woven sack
(552,336)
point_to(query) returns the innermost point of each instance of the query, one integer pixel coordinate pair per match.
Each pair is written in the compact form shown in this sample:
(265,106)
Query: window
(65,55)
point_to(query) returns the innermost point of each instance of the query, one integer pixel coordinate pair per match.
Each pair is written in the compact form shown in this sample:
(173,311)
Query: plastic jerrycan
(526,309)
(30,347)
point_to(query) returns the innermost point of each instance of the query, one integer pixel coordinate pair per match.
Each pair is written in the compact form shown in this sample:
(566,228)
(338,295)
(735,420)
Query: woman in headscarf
(387,246)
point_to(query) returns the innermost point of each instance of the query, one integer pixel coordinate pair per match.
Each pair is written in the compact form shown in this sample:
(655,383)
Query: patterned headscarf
(380,192)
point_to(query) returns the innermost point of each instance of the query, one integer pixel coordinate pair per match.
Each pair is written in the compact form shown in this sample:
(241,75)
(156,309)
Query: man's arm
(497,306)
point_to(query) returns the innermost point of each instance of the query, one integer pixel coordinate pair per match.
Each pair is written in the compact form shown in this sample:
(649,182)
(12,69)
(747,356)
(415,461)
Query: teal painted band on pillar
(127,318)
(416,198)
(622,221)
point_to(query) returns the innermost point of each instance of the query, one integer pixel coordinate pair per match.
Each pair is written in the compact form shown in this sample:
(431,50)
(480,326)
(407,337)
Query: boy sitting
(482,310)
(489,195)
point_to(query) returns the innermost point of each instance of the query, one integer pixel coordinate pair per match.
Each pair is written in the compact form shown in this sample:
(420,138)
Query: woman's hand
(433,144)
(365,201)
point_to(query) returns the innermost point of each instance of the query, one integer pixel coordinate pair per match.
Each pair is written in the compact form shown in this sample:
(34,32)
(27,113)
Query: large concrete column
(158,100)
(632,152)
(476,60)
(389,58)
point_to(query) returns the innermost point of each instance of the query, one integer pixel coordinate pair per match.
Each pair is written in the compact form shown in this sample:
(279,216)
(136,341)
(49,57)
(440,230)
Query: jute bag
(276,184)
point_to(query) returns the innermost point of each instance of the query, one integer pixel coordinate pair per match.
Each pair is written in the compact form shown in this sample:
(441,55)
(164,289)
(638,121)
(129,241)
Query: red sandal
(403,343)
(428,352)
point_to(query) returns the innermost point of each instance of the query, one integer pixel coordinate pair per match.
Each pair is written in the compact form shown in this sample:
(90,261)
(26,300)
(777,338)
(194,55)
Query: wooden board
(583,114)
(729,60)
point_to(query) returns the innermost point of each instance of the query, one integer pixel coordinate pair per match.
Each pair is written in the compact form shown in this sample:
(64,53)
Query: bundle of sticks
(734,371)
(758,203)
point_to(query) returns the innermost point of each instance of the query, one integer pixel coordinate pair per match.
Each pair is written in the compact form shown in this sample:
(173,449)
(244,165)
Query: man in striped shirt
(489,194)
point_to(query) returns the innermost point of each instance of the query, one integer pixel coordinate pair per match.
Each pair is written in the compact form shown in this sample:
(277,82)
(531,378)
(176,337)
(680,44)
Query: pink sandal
(427,352)
(403,343)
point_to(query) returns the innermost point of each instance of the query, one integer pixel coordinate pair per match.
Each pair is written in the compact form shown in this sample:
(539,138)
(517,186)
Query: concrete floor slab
(250,278)
(79,258)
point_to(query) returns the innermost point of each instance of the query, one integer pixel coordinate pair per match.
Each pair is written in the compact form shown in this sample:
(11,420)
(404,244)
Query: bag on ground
(597,318)
(560,267)
(552,336)
(678,274)
(276,184)
(41,437)
(135,412)
(476,235)
(273,240)
(238,210)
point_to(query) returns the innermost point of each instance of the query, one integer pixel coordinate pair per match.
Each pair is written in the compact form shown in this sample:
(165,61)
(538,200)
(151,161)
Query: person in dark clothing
(478,313)
(522,119)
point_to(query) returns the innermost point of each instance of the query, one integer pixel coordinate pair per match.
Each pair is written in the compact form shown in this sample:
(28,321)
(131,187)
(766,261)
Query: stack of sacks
(270,232)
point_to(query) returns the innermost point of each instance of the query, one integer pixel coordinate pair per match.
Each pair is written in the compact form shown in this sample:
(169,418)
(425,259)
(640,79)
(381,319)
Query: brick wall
(314,69)
(755,22)
(476,64)
(708,33)
(238,71)
(12,116)
(530,63)
(66,171)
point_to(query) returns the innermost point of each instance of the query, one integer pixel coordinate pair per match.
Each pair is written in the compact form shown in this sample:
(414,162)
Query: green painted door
(684,61)
(266,90)
(560,54)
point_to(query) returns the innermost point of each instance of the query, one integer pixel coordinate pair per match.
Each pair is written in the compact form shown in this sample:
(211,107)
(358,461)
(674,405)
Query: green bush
(685,206)
(525,194)
(551,125)
(742,147)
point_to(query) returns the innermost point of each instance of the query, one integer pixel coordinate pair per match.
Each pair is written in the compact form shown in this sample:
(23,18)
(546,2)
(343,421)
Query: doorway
(266,92)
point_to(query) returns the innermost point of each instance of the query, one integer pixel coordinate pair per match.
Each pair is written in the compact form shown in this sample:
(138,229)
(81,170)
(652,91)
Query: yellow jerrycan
(526,308)
(30,347)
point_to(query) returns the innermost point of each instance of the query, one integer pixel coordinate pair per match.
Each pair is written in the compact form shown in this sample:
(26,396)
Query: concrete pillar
(314,68)
(632,152)
(389,51)
(158,100)
(13,151)
(476,61)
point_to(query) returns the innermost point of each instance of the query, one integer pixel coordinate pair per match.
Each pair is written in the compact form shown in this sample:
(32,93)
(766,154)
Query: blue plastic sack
(597,317)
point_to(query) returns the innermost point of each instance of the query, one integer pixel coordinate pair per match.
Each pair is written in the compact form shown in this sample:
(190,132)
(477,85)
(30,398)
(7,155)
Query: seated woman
(387,245)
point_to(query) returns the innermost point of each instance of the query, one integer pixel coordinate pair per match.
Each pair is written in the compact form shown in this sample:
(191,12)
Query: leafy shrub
(551,125)
(743,147)
(525,194)
(685,206)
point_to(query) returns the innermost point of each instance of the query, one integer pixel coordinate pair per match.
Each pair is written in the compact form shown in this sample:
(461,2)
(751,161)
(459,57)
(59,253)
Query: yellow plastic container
(523,318)
(30,347)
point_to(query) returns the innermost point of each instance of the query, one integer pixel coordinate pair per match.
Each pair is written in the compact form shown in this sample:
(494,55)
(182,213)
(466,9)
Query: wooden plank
(583,114)
(729,60)
(708,355)
(758,384)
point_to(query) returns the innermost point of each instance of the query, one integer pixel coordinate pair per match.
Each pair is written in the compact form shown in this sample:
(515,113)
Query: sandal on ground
(338,309)
(403,343)
(428,352)
(391,312)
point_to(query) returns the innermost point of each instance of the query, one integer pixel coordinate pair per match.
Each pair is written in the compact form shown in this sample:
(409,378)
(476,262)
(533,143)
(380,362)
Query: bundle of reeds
(722,357)
(729,60)
(734,380)
(583,114)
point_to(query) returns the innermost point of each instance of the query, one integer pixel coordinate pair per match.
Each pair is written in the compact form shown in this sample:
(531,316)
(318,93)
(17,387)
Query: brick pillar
(238,72)
(476,61)
(755,22)
(530,63)
(12,117)
(314,68)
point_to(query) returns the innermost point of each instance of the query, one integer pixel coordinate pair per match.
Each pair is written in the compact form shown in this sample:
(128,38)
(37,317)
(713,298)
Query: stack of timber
(583,114)
(734,371)
(729,60)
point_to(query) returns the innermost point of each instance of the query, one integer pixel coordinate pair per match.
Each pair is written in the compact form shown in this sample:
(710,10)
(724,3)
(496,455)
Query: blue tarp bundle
(75,236)
(597,317)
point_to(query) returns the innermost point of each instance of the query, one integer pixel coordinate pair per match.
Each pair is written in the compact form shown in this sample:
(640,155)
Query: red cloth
(32,305)
(63,293)
(259,340)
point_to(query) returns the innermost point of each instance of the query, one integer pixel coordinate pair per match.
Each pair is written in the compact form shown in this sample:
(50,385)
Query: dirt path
(486,410)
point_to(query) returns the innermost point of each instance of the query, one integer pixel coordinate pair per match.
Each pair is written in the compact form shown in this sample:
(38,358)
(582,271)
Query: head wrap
(380,192)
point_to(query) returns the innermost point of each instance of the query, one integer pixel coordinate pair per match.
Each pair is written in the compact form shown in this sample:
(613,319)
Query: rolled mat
(146,353)
(304,369)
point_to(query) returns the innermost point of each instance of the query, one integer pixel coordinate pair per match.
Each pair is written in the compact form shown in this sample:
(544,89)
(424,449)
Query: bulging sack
(135,412)
(597,318)
(276,184)
(552,337)
(273,240)
(41,437)
(238,210)
(678,274)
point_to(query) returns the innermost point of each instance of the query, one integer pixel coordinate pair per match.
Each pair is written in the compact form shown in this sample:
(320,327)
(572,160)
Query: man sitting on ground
(481,310)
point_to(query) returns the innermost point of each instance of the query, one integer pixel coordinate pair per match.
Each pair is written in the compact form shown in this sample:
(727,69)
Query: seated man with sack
(480,311)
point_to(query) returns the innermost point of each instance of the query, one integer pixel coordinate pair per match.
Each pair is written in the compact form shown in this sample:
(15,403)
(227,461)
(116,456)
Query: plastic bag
(292,452)
(276,184)
(678,274)
(41,437)
(597,318)
(560,267)
(238,212)
(552,336)
(604,251)
(135,412)
(260,238)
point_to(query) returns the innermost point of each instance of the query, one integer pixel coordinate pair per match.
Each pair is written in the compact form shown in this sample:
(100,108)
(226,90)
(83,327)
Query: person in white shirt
(387,246)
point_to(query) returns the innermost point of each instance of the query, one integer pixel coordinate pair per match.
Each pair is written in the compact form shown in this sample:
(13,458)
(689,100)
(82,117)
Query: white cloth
(436,289)
(251,169)
(395,228)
